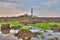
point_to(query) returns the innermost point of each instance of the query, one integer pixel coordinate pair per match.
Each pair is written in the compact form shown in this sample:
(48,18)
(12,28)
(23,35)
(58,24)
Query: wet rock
(26,34)
(5,28)
(49,31)
(35,29)
(55,28)
(57,34)
(16,27)
(55,38)
(9,36)
(34,38)
(51,35)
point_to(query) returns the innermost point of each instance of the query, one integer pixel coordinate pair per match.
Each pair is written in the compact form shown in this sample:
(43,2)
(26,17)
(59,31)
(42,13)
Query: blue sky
(42,8)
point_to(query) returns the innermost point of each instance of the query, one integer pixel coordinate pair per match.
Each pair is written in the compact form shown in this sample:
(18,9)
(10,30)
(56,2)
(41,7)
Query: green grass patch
(40,25)
(12,23)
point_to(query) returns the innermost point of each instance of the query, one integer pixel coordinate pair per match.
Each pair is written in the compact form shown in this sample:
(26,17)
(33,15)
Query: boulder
(26,34)
(55,28)
(5,28)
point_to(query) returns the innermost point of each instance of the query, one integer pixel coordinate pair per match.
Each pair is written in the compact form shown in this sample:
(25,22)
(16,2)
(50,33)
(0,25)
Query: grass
(43,25)
(12,23)
(47,25)
(40,25)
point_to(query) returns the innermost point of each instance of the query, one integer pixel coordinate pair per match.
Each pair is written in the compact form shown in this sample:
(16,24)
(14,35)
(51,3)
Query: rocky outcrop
(26,34)
(5,28)
(16,27)
(55,28)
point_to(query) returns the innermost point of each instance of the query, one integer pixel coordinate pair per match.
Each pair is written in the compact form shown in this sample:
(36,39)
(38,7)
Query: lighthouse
(31,11)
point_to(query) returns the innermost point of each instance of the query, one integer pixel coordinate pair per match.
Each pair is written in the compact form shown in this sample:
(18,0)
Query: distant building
(25,15)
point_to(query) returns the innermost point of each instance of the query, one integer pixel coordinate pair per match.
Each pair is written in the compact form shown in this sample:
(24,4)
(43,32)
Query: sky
(42,8)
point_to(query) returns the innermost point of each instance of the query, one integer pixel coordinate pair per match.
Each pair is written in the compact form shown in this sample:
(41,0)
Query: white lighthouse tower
(31,11)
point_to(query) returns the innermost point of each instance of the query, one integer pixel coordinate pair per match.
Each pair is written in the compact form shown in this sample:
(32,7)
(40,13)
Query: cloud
(16,1)
(48,3)
(32,2)
(14,7)
(11,1)
(47,13)
(8,9)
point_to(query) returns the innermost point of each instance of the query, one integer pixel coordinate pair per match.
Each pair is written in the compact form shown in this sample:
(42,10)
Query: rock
(55,38)
(34,38)
(26,34)
(16,27)
(35,29)
(55,28)
(51,35)
(49,31)
(57,34)
(9,36)
(5,28)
